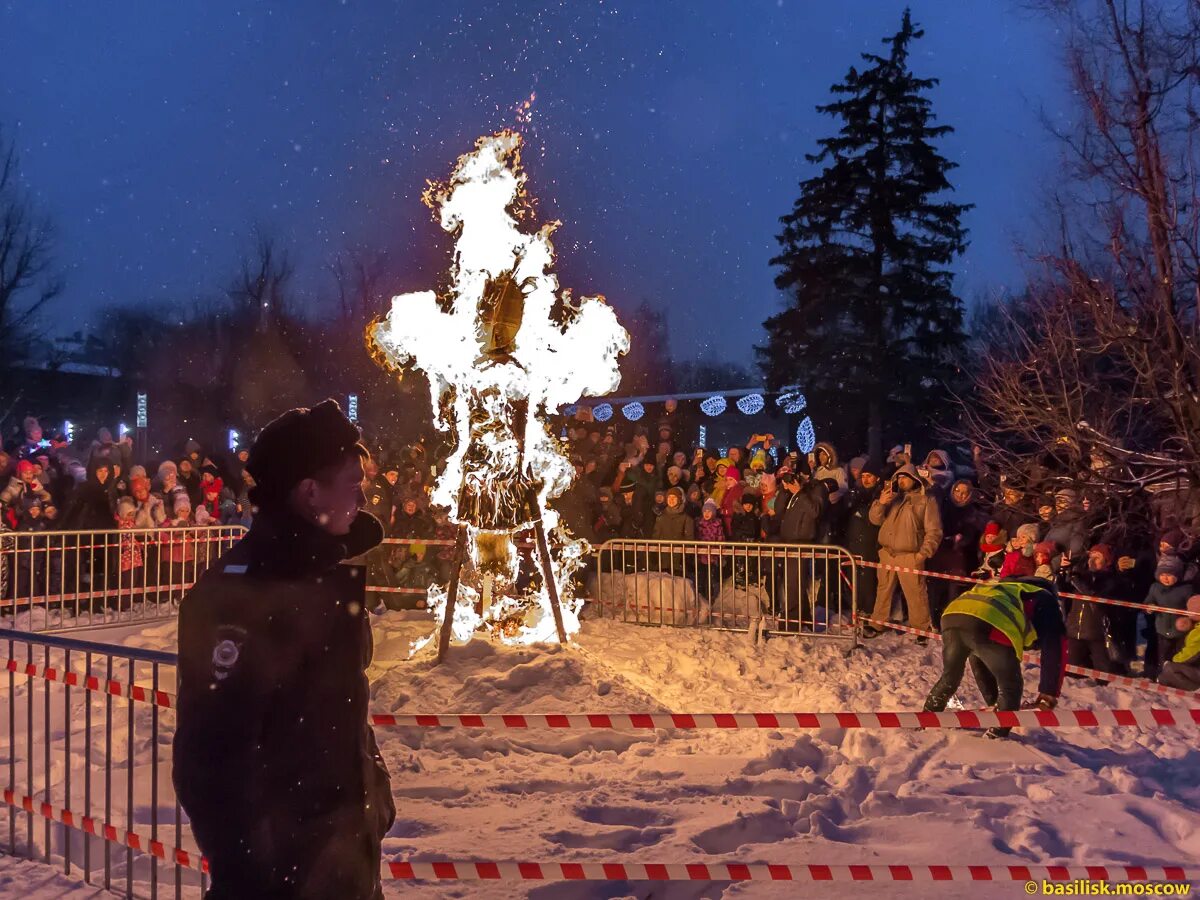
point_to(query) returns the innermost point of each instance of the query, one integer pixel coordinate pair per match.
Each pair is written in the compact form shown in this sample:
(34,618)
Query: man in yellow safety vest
(992,625)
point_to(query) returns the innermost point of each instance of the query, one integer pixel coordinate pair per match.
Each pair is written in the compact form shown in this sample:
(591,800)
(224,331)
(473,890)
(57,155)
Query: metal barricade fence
(60,580)
(89,730)
(791,588)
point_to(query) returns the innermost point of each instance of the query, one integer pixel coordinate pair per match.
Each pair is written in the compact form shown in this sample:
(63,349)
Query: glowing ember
(503,349)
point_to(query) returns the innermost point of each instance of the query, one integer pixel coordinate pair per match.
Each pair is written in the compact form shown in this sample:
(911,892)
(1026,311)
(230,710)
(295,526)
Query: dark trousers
(996,667)
(1165,648)
(1089,655)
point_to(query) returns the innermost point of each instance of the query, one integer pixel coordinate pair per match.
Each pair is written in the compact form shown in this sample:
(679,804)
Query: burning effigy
(504,349)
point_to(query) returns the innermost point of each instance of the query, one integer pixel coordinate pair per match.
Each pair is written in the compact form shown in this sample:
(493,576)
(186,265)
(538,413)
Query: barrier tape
(143,538)
(93,684)
(1141,683)
(474,870)
(107,832)
(1144,607)
(1029,718)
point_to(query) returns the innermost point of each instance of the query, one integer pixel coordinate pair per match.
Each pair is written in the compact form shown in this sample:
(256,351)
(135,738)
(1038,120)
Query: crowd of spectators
(910,514)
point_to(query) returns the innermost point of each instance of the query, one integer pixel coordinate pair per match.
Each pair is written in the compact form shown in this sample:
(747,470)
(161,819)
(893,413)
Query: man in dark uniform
(274,761)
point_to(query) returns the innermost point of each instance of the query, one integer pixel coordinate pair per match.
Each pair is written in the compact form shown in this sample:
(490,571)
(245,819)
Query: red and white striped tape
(103,830)
(474,870)
(92,683)
(478,870)
(1028,718)
(1144,607)
(54,602)
(1143,684)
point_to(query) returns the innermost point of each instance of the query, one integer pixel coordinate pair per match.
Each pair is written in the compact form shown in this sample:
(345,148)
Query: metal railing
(61,580)
(89,730)
(792,588)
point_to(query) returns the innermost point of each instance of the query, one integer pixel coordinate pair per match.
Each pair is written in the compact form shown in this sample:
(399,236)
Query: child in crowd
(1182,669)
(1170,591)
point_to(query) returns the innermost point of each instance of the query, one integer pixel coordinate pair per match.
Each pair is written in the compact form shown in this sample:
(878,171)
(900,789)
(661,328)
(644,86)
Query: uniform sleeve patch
(227,651)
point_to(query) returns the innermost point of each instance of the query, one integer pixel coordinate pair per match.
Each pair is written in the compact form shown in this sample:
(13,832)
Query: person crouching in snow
(1182,670)
(992,625)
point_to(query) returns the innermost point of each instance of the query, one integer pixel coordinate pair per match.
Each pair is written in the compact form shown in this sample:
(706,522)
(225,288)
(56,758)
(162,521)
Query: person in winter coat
(1086,620)
(1011,513)
(1182,670)
(910,531)
(24,484)
(608,516)
(149,511)
(1019,560)
(731,500)
(274,760)
(633,511)
(674,524)
(746,523)
(938,473)
(710,566)
(993,546)
(825,464)
(804,503)
(89,508)
(1068,527)
(963,521)
(861,535)
(189,478)
(168,483)
(1169,591)
(992,625)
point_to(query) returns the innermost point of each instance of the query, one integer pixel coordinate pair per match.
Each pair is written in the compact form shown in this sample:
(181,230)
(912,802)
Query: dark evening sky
(668,137)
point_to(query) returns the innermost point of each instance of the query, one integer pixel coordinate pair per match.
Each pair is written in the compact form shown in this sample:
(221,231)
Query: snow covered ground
(837,797)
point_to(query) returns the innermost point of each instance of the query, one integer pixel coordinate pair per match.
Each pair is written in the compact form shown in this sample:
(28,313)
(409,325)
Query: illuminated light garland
(713,406)
(792,402)
(603,412)
(633,411)
(806,436)
(751,404)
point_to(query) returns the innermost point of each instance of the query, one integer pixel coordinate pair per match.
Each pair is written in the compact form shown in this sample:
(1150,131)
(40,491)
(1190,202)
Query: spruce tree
(872,322)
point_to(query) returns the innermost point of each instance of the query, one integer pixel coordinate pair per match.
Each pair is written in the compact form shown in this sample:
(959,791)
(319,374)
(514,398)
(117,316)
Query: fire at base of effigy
(503,349)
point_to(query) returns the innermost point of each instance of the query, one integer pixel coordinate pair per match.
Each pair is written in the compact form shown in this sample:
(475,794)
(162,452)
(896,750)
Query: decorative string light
(713,406)
(806,436)
(633,411)
(751,404)
(603,412)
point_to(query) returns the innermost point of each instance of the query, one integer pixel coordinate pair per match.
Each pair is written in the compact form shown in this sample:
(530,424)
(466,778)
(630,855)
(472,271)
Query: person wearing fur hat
(274,760)
(1169,590)
(910,531)
(1182,669)
(1089,628)
(1019,559)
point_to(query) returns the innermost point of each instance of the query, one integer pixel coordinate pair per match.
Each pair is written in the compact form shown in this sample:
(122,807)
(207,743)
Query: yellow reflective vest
(1001,606)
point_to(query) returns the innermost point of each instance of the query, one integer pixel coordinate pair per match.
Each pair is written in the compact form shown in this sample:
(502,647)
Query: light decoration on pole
(143,410)
(503,350)
(751,404)
(703,435)
(122,430)
(713,406)
(69,431)
(633,411)
(234,437)
(806,436)
(603,412)
(352,408)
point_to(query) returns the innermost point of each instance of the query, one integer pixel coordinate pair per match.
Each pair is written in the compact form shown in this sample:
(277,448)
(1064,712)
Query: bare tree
(259,290)
(29,279)
(358,277)
(1100,369)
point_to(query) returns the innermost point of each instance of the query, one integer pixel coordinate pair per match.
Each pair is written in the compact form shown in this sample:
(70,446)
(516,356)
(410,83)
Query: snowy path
(825,797)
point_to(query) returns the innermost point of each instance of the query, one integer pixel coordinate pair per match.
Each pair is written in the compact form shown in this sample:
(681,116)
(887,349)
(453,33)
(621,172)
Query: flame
(562,350)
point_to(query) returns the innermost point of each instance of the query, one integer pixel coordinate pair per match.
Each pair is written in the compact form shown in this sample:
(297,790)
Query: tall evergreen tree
(872,321)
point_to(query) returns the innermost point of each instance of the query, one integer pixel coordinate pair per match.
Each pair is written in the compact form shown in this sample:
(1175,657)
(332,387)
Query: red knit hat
(1105,551)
